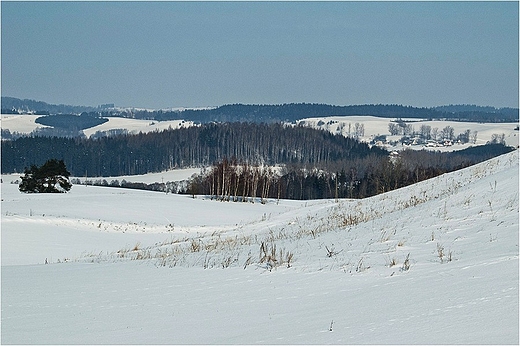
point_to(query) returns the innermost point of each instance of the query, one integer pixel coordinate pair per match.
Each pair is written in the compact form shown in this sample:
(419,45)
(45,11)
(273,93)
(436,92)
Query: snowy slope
(20,123)
(433,263)
(137,125)
(26,124)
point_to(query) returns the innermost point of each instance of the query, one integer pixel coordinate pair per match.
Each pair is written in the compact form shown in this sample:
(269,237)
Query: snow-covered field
(150,178)
(26,124)
(137,125)
(20,123)
(433,263)
(375,126)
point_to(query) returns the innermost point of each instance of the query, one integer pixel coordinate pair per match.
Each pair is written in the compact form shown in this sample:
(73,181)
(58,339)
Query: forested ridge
(295,111)
(288,112)
(186,147)
(15,105)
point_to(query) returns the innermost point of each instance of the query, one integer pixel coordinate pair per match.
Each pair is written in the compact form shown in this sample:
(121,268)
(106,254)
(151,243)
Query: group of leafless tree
(239,181)
(426,132)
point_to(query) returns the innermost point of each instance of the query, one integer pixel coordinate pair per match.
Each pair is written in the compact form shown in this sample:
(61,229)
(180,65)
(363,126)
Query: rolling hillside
(433,263)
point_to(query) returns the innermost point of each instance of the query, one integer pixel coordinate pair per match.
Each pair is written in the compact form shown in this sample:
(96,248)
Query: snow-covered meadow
(375,126)
(433,263)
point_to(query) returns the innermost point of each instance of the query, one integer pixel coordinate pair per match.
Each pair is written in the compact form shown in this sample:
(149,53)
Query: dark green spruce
(51,177)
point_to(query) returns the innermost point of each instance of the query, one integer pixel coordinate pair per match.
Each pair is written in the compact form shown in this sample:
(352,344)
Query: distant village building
(106,105)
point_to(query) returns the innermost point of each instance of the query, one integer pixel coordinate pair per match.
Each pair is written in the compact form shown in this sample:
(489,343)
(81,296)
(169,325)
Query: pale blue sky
(191,54)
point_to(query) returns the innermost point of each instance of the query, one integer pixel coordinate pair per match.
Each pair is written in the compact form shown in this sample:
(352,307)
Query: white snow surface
(137,125)
(20,123)
(140,267)
(173,175)
(150,178)
(26,124)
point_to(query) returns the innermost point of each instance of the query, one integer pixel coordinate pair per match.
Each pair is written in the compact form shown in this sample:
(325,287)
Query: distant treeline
(268,144)
(11,105)
(167,187)
(295,111)
(232,180)
(276,113)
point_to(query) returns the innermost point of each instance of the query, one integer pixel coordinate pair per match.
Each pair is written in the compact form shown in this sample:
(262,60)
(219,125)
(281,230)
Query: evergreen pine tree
(51,177)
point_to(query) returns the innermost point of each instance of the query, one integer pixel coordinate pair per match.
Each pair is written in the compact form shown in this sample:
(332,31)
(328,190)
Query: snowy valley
(432,263)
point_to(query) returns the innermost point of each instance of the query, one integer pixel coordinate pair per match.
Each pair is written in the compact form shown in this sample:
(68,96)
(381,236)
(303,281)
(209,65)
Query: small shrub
(361,267)
(392,262)
(195,245)
(440,252)
(288,259)
(406,263)
(228,261)
(268,255)
(443,256)
(331,252)
(271,258)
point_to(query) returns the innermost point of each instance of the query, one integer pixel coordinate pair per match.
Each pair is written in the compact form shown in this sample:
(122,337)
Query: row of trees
(235,180)
(295,111)
(167,187)
(39,107)
(426,132)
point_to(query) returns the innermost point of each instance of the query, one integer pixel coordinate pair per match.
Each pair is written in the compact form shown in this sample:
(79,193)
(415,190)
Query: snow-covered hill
(373,126)
(26,124)
(433,263)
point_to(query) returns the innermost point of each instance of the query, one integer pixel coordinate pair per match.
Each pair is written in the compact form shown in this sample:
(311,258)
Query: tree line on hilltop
(273,113)
(295,111)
